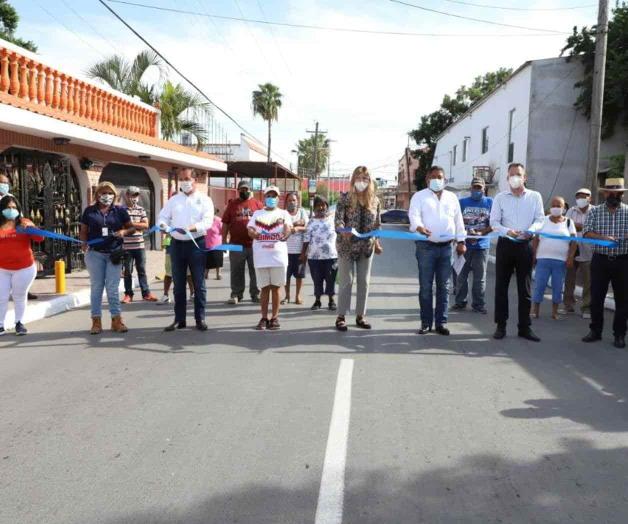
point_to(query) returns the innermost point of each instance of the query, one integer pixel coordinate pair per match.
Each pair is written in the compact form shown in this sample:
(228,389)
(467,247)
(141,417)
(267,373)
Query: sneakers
(127,299)
(233,301)
(20,329)
(458,307)
(164,300)
(481,310)
(150,298)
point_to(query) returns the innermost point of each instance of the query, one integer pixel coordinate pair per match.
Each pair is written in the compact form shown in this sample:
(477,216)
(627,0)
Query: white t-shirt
(585,251)
(295,241)
(268,249)
(551,248)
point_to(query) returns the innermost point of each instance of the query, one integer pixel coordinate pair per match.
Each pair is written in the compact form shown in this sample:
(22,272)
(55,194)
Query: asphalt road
(232,425)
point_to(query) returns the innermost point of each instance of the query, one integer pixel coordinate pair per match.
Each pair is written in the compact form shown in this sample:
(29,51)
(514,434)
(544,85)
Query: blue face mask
(271,201)
(4,188)
(477,195)
(10,213)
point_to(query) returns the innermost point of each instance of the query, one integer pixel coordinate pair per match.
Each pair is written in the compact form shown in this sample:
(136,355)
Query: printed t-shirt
(268,249)
(476,215)
(237,216)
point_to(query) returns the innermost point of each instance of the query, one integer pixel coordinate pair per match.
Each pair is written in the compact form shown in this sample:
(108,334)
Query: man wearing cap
(135,249)
(476,212)
(582,265)
(609,221)
(186,217)
(234,225)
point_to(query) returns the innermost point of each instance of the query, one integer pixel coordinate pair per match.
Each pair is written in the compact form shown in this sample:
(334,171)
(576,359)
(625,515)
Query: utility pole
(597,98)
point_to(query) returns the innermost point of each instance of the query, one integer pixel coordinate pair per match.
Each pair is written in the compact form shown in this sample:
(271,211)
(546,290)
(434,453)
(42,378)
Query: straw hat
(614,184)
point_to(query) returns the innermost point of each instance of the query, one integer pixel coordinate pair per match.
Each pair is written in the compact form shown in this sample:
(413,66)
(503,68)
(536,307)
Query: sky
(367,91)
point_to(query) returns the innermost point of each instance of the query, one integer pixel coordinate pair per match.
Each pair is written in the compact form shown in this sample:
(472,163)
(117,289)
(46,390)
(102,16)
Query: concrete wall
(494,113)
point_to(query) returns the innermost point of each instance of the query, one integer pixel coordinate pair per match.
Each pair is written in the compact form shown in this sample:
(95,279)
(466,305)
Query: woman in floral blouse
(359,209)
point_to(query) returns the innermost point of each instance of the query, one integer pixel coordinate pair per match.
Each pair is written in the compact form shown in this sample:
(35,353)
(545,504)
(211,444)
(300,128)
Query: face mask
(10,213)
(105,200)
(187,186)
(320,213)
(271,202)
(477,195)
(613,200)
(556,211)
(291,207)
(437,184)
(244,195)
(582,202)
(515,181)
(4,188)
(361,186)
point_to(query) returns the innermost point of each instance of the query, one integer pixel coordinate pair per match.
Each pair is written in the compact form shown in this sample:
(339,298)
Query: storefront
(47,188)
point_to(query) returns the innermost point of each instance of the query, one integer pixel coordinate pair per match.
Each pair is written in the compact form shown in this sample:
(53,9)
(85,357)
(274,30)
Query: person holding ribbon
(515,213)
(270,228)
(17,264)
(296,268)
(359,209)
(584,253)
(436,214)
(609,221)
(103,228)
(186,217)
(552,256)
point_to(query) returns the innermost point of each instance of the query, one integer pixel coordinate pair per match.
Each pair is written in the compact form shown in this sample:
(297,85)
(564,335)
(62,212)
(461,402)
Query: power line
(481,20)
(88,24)
(272,32)
(174,68)
(331,28)
(506,8)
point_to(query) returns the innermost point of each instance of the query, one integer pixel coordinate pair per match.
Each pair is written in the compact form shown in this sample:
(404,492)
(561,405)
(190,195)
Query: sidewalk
(49,303)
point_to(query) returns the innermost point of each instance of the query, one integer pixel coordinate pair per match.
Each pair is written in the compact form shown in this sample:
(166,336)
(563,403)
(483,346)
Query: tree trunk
(269,125)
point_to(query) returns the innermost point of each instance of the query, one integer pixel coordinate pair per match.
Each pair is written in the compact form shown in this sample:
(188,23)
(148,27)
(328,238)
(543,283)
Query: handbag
(117,256)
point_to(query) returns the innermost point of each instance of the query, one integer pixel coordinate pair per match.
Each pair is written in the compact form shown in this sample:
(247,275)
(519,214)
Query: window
(465,148)
(511,144)
(454,155)
(484,140)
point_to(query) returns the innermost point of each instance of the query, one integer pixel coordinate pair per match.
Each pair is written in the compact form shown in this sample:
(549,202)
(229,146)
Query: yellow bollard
(60,277)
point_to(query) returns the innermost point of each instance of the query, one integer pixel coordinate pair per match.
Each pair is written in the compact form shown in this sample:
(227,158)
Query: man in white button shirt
(188,214)
(435,213)
(514,213)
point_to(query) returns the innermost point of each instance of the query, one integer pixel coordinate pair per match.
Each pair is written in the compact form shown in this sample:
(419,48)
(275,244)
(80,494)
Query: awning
(264,170)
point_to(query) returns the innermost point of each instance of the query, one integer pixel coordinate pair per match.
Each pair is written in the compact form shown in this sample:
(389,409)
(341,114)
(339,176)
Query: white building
(529,119)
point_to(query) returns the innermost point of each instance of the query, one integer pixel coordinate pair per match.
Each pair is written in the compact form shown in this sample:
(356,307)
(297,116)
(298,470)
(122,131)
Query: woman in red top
(17,264)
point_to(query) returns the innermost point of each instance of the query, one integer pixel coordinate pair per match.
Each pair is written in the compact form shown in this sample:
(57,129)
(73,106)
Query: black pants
(323,276)
(513,257)
(605,270)
(184,254)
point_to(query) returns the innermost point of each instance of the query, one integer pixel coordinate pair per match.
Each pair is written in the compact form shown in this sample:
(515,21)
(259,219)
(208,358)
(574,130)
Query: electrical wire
(331,28)
(481,20)
(88,24)
(507,8)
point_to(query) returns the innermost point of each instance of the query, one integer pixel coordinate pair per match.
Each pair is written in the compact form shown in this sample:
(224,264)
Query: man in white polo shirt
(435,213)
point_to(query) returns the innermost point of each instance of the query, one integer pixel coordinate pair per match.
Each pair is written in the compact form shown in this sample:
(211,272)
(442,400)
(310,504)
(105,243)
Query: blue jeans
(476,262)
(135,257)
(103,274)
(434,264)
(184,254)
(546,268)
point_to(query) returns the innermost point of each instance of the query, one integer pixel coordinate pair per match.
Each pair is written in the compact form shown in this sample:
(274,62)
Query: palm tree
(179,107)
(266,103)
(306,149)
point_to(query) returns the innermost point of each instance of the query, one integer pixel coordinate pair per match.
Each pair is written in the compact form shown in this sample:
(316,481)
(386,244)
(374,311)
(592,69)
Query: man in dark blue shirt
(476,211)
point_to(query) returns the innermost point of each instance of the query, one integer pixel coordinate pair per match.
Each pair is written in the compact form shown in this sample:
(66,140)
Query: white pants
(15,283)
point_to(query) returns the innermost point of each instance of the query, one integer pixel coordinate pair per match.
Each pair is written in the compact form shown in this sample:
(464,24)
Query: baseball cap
(133,190)
(244,183)
(272,188)
(584,191)
(478,182)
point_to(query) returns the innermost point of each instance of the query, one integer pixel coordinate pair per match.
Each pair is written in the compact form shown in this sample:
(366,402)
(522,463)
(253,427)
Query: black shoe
(2,331)
(21,330)
(592,336)
(332,305)
(32,296)
(481,310)
(255,300)
(500,332)
(201,326)
(425,330)
(176,325)
(442,330)
(528,334)
(620,342)
(316,306)
(458,307)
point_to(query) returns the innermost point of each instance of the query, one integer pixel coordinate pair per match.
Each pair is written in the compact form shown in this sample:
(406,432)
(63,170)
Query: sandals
(285,301)
(262,324)
(273,324)
(361,323)
(341,324)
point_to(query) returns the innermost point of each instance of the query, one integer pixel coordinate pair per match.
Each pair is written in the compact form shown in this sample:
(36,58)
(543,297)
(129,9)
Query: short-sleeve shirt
(601,221)
(295,241)
(585,253)
(104,225)
(476,215)
(237,216)
(551,247)
(269,250)
(213,237)
(321,238)
(136,240)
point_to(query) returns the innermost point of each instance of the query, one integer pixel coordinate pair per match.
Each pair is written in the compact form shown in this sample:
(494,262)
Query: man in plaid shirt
(609,221)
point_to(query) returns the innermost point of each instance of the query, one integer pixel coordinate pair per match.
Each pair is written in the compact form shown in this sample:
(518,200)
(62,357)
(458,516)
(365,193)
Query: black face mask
(613,200)
(244,195)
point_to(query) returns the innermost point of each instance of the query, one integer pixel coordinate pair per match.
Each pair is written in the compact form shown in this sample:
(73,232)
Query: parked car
(395,216)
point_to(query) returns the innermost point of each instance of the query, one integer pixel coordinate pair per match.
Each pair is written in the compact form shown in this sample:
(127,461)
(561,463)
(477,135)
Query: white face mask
(515,181)
(582,202)
(106,200)
(437,184)
(556,211)
(187,186)
(361,186)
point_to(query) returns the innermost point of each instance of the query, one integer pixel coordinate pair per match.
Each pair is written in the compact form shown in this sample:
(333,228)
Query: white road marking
(331,494)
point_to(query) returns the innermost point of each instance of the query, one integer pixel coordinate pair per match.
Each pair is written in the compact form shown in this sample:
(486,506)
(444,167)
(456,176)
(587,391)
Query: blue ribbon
(54,236)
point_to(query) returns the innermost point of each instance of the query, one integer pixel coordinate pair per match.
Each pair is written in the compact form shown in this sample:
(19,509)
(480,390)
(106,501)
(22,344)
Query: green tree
(9,20)
(266,102)
(581,46)
(452,107)
(178,105)
(306,149)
